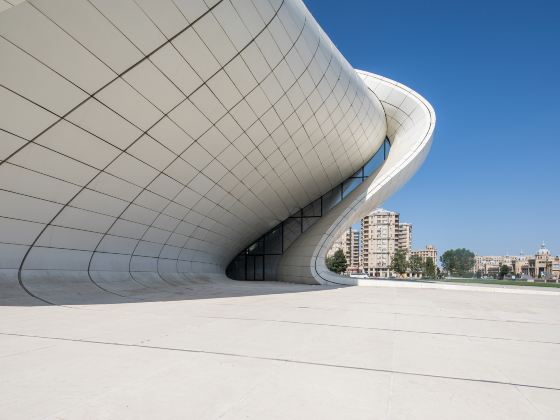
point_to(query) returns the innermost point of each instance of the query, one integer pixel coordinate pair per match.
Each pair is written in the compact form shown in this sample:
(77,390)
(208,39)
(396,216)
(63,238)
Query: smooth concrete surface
(239,350)
(443,285)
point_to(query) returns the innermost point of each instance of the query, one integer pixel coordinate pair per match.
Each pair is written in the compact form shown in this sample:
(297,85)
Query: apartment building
(380,240)
(349,242)
(371,249)
(405,237)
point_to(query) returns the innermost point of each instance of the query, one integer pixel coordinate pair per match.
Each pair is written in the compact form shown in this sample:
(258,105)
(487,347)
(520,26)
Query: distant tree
(448,261)
(465,261)
(504,271)
(430,268)
(337,262)
(398,263)
(415,264)
(458,261)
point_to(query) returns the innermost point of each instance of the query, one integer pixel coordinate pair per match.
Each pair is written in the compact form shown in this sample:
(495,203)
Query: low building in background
(539,267)
(543,266)
(489,265)
(429,252)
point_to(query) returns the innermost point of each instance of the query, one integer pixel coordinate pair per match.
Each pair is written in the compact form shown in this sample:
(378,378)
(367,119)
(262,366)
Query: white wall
(410,127)
(151,141)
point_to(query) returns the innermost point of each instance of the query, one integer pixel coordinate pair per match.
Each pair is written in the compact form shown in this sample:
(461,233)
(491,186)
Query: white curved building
(150,143)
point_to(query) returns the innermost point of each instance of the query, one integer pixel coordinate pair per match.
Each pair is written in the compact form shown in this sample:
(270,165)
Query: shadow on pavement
(82,288)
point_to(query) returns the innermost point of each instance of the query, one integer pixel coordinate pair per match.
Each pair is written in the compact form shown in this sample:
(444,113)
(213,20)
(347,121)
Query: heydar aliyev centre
(156,143)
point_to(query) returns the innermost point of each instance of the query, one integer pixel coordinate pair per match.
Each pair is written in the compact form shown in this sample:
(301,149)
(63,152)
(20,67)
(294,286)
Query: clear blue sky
(491,69)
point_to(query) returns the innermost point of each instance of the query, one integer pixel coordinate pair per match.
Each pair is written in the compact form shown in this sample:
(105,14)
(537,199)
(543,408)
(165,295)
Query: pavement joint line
(415,314)
(293,361)
(357,327)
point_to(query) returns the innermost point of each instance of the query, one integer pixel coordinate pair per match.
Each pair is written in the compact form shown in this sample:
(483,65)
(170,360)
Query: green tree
(337,262)
(504,271)
(458,261)
(415,264)
(430,268)
(398,263)
(448,261)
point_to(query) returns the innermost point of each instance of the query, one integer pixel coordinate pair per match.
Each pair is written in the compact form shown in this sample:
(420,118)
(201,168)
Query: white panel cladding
(199,128)
(410,127)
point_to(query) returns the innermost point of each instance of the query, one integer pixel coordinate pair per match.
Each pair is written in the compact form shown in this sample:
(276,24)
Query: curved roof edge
(410,127)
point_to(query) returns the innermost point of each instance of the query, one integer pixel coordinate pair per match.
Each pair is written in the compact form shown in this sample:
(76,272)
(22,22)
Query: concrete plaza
(239,350)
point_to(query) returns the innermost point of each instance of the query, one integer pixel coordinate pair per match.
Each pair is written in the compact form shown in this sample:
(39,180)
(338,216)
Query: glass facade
(259,261)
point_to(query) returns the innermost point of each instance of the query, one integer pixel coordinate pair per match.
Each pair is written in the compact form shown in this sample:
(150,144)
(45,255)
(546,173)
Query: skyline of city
(522,252)
(488,182)
(371,245)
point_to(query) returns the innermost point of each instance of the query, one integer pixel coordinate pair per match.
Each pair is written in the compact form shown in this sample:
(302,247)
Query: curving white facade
(146,143)
(410,128)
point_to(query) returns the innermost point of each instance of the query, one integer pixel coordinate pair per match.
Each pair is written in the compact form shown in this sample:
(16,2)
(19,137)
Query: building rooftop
(380,210)
(543,250)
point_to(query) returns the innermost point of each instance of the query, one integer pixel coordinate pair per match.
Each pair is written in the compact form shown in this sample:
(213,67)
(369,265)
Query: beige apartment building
(371,249)
(429,252)
(382,235)
(349,242)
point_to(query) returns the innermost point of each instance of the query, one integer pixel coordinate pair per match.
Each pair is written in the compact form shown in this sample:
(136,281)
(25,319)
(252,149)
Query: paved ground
(233,350)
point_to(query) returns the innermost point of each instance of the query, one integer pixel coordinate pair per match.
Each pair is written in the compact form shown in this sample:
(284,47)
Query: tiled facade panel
(164,136)
(410,127)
